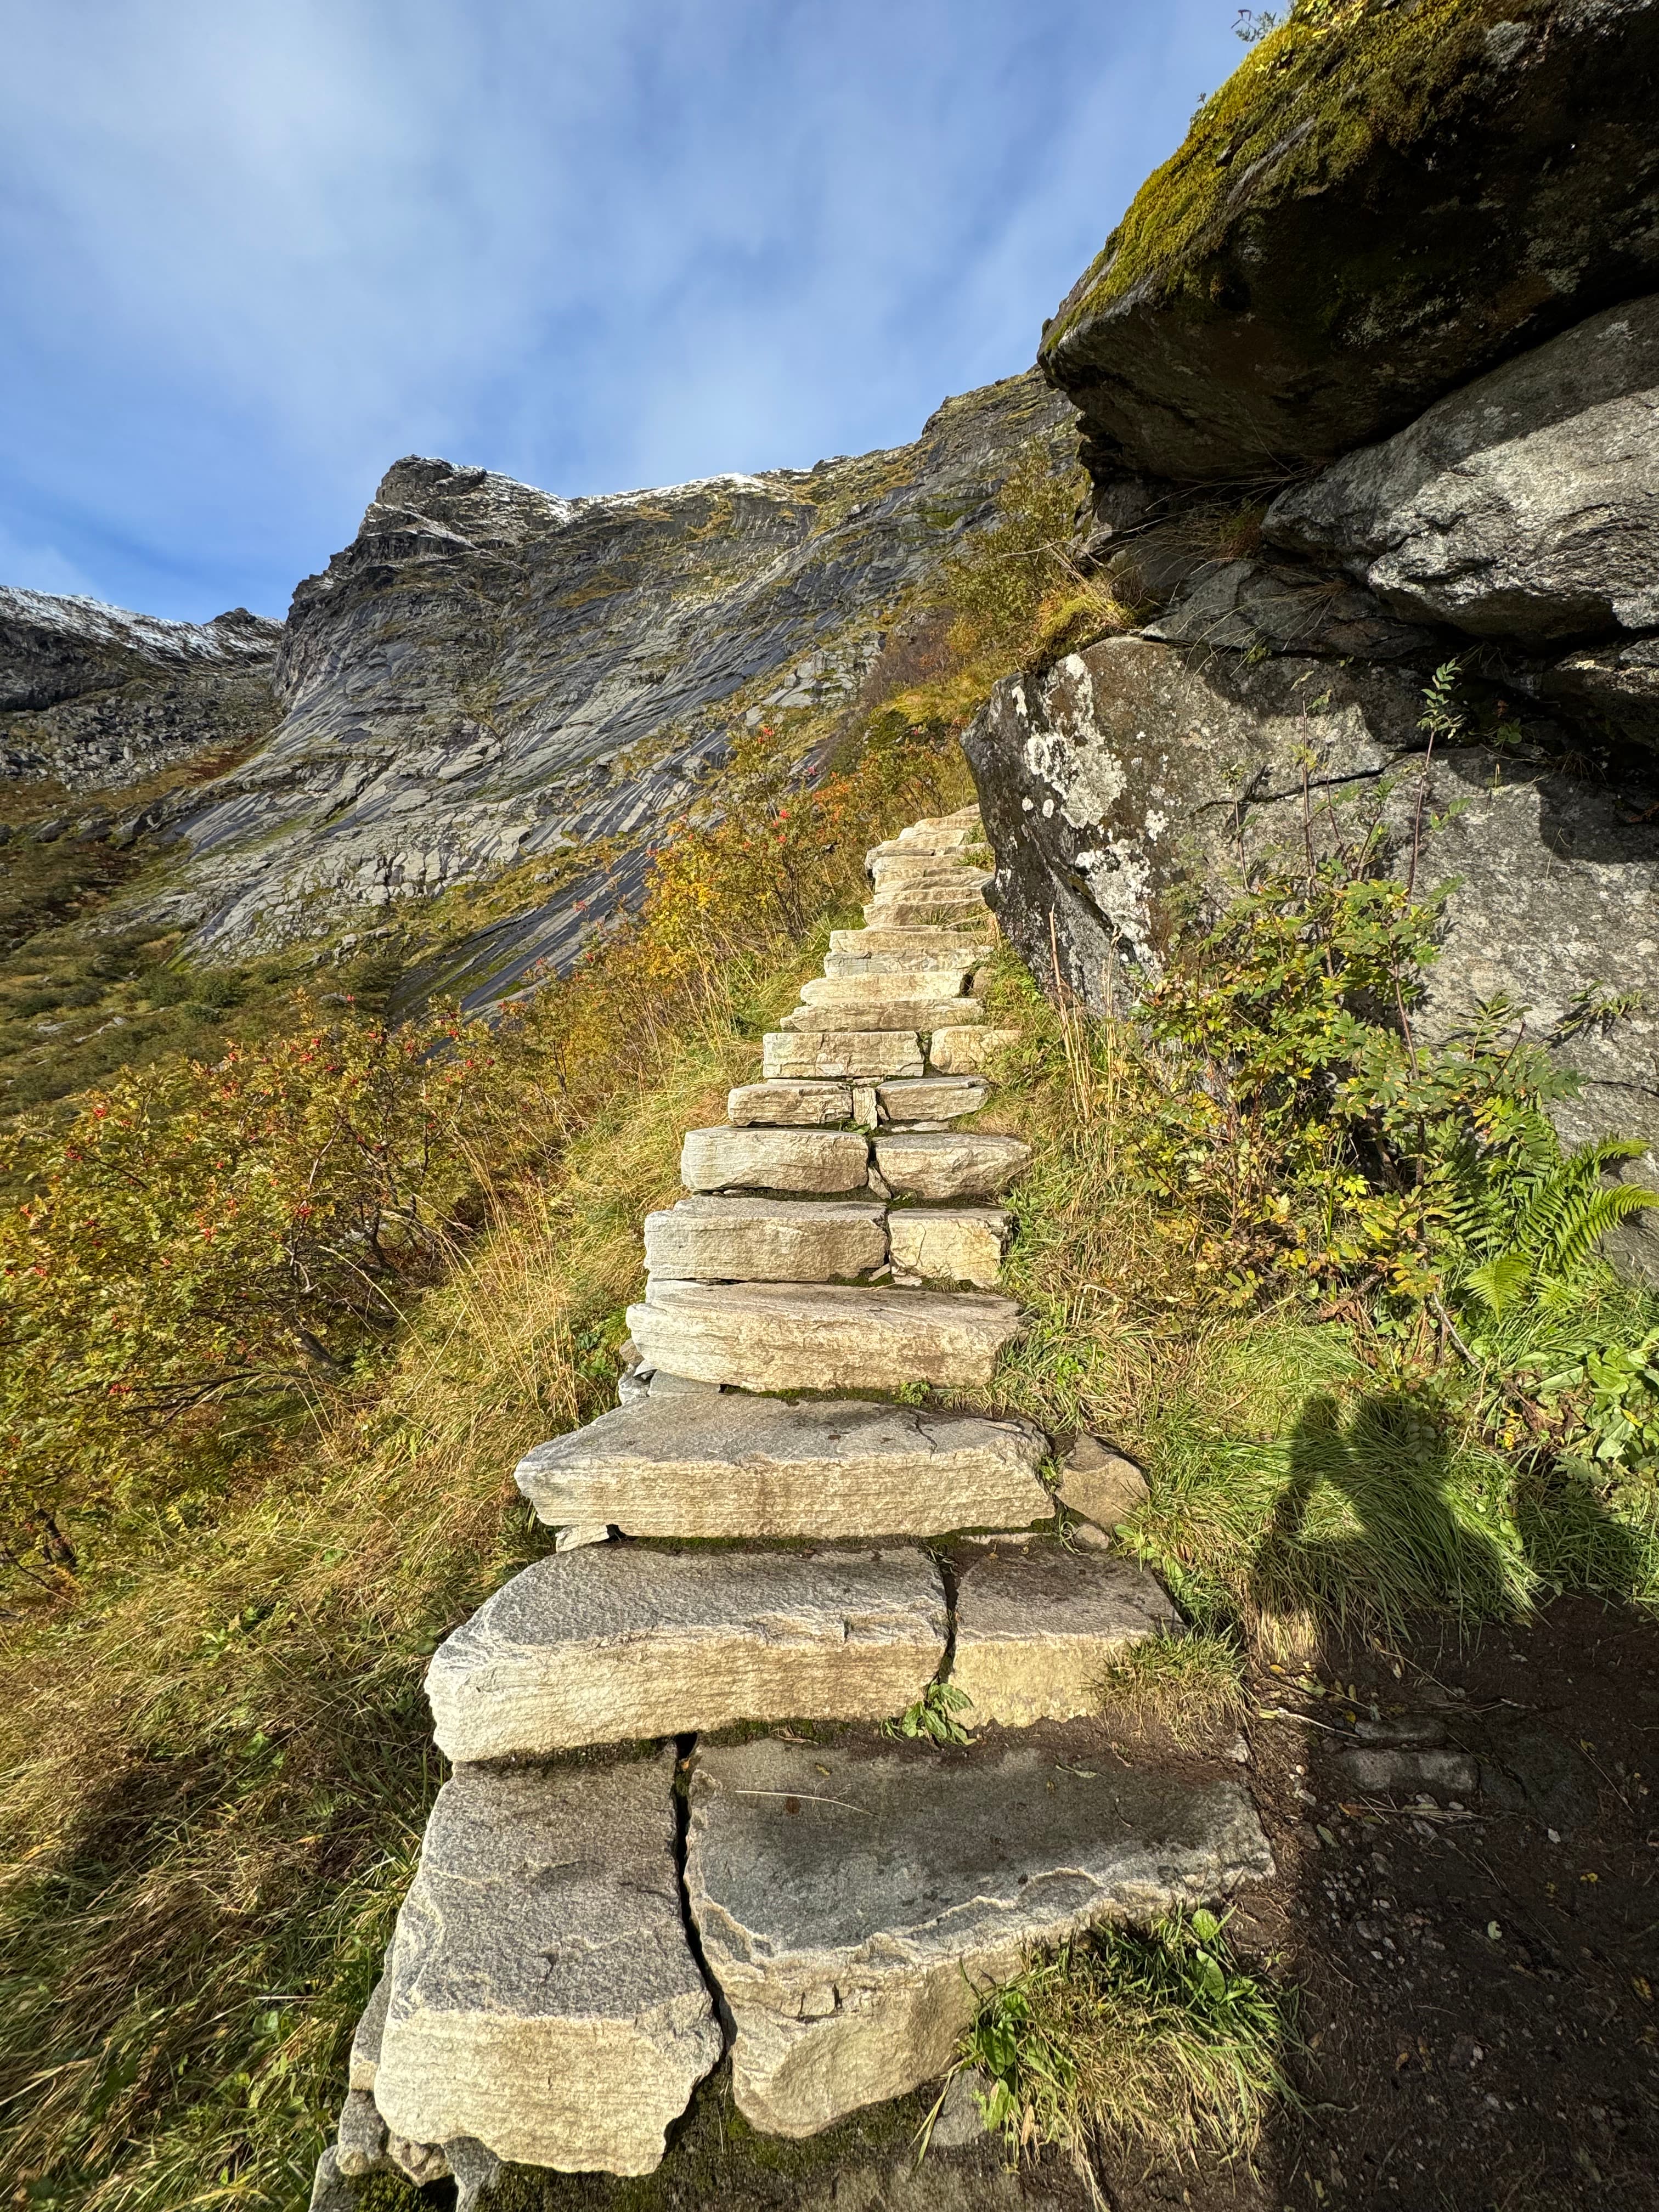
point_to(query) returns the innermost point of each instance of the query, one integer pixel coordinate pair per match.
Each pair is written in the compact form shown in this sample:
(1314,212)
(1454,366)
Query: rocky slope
(488,674)
(1511,527)
(96,698)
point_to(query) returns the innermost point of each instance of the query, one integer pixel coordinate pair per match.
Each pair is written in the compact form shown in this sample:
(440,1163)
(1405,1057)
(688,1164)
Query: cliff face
(98,698)
(488,674)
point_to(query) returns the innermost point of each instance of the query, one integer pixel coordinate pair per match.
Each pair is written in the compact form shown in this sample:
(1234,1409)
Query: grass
(1154,2040)
(1190,1686)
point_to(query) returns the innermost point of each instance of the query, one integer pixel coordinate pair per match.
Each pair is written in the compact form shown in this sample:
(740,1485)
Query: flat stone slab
(724,1157)
(928,1164)
(1038,1627)
(951,967)
(868,1011)
(958,1244)
(919,945)
(933,1097)
(735,1466)
(874,986)
(849,1900)
(621,1642)
(767,1240)
(803,1105)
(906,910)
(544,2000)
(862,1054)
(777,1336)
(968,1051)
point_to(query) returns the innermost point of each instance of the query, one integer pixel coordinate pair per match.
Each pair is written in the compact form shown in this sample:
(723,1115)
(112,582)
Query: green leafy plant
(933,1719)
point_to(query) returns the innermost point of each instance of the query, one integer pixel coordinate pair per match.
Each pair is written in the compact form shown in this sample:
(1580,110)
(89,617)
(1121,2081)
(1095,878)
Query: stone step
(727,1159)
(949,944)
(865,1054)
(949,1163)
(932,1097)
(1037,1625)
(953,971)
(879,990)
(774,1336)
(801,1105)
(869,1012)
(957,1244)
(924,908)
(852,1899)
(619,1642)
(968,1051)
(544,1998)
(736,1466)
(766,1240)
(932,837)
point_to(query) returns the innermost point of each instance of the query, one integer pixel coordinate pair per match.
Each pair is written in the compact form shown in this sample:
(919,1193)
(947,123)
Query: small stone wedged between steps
(766,1240)
(805,1105)
(861,1054)
(738,1466)
(867,1012)
(949,1163)
(957,1244)
(779,1336)
(544,1997)
(724,1158)
(1038,1627)
(622,1643)
(851,1901)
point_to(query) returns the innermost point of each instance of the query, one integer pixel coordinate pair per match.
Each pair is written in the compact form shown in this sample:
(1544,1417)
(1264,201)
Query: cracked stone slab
(621,1642)
(724,1157)
(1038,1627)
(779,1336)
(968,1051)
(922,908)
(956,1244)
(544,1998)
(879,986)
(766,1240)
(806,1105)
(953,964)
(920,947)
(945,1164)
(861,1054)
(866,1010)
(736,1466)
(849,1900)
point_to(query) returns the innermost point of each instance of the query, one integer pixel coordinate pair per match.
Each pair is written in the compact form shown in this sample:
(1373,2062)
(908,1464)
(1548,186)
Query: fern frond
(1588,1221)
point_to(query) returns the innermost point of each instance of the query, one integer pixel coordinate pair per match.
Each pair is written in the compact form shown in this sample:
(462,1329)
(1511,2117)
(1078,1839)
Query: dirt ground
(1473,1925)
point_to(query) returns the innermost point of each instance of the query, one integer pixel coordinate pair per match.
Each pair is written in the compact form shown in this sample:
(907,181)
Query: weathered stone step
(913,909)
(933,1097)
(774,1336)
(803,1105)
(871,1012)
(616,1642)
(851,1900)
(734,1466)
(957,1244)
(862,1055)
(727,1159)
(955,967)
(880,990)
(766,1240)
(1037,1625)
(921,943)
(895,870)
(544,1998)
(968,1051)
(949,1163)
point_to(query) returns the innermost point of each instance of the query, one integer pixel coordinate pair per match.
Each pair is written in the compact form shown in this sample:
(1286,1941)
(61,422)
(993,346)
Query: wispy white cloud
(251,255)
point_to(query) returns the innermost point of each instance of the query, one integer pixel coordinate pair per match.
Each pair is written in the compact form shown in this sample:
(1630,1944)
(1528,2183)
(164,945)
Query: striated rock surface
(760,1240)
(1524,505)
(544,2000)
(859,1053)
(849,1898)
(1381,203)
(725,1157)
(946,1163)
(953,1244)
(98,697)
(784,1336)
(616,1642)
(735,1466)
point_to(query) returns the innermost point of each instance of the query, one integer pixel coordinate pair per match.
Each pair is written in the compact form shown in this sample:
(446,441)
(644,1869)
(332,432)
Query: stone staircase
(606,1898)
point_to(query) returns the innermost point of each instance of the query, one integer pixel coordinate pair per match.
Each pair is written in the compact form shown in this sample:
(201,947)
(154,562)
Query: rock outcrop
(96,697)
(1380,204)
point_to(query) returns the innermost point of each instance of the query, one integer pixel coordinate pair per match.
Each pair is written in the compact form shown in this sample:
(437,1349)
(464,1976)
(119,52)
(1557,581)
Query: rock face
(1038,1627)
(849,1898)
(1524,505)
(780,1336)
(736,1466)
(615,1642)
(98,697)
(1134,771)
(1255,312)
(545,2000)
(490,673)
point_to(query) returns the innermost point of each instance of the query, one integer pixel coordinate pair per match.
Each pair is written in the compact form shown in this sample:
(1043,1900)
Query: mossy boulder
(1381,203)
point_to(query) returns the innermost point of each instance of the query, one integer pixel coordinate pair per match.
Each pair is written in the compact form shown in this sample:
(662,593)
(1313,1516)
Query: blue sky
(251,253)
